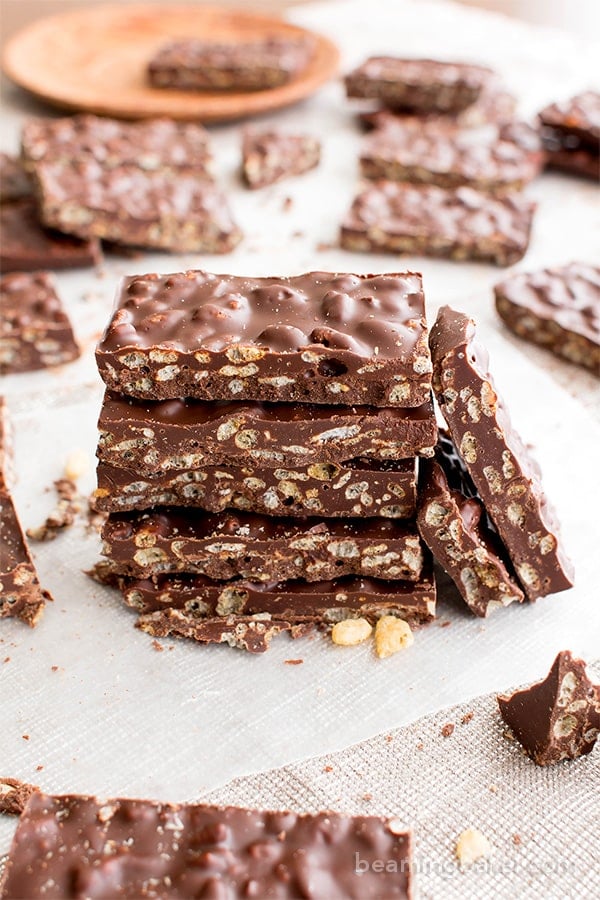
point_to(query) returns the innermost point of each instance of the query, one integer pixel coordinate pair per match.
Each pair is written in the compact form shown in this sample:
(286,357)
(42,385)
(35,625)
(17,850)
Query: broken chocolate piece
(14,180)
(315,338)
(62,516)
(355,488)
(558,308)
(461,224)
(557,718)
(270,156)
(442,153)
(35,331)
(571,135)
(251,65)
(185,434)
(87,847)
(25,246)
(14,795)
(259,548)
(424,85)
(453,524)
(501,467)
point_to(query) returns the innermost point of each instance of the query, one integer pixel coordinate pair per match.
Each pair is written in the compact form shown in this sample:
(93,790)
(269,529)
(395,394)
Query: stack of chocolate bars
(445,163)
(258,452)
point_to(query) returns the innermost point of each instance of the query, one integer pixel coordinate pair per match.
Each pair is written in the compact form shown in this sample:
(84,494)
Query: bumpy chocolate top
(569,295)
(372,316)
(75,846)
(557,718)
(151,144)
(444,149)
(579,116)
(429,212)
(285,53)
(26,246)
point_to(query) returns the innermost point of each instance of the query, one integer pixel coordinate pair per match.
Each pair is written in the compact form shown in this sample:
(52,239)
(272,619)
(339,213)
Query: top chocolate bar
(424,85)
(314,338)
(579,116)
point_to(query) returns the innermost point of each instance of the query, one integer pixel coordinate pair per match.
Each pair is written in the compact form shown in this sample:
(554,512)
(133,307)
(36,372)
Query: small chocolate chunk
(87,847)
(356,488)
(251,65)
(320,337)
(35,331)
(425,85)
(460,224)
(184,434)
(559,309)
(453,524)
(259,548)
(571,135)
(504,473)
(557,718)
(270,156)
(14,795)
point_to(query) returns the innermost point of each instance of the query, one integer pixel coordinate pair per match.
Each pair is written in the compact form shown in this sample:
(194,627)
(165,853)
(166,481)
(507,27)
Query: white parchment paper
(85,696)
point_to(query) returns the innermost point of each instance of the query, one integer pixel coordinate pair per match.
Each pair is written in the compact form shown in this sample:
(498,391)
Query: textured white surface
(118,717)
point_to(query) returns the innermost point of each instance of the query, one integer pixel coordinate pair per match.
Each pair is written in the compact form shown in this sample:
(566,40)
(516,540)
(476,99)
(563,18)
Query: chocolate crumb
(25,737)
(420,745)
(367,797)
(516,839)
(7,659)
(158,647)
(448,729)
(467,718)
(39,768)
(293,662)
(328,768)
(54,668)
(62,516)
(287,204)
(445,624)
(323,246)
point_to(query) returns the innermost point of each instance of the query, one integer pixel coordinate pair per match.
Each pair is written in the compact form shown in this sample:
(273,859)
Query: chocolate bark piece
(506,477)
(21,596)
(315,338)
(571,135)
(557,718)
(494,106)
(318,603)
(243,66)
(151,145)
(157,208)
(453,524)
(259,548)
(14,180)
(442,153)
(14,795)
(141,848)
(578,117)
(153,436)
(557,308)
(270,156)
(425,85)
(35,332)
(461,224)
(26,246)
(356,488)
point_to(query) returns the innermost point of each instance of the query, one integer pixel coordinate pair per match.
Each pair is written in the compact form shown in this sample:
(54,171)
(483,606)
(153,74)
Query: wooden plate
(95,60)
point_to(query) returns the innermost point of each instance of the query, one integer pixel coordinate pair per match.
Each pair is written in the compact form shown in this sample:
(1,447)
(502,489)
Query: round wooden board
(95,60)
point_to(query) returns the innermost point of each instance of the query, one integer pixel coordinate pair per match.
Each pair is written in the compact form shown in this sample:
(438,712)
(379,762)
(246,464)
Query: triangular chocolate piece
(269,156)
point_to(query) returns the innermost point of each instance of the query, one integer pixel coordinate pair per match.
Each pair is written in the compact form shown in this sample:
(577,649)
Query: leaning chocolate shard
(185,434)
(453,524)
(77,846)
(504,473)
(259,548)
(21,596)
(557,308)
(314,338)
(356,488)
(557,718)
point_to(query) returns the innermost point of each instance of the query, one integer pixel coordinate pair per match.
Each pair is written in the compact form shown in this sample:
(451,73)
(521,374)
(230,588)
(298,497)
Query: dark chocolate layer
(259,548)
(356,488)
(185,434)
(314,338)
